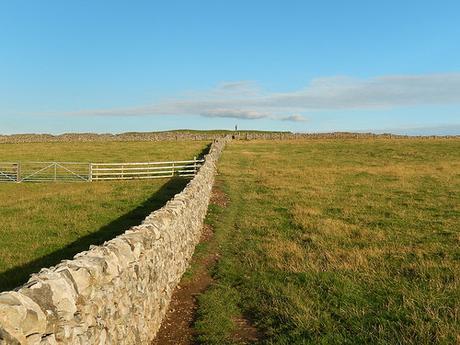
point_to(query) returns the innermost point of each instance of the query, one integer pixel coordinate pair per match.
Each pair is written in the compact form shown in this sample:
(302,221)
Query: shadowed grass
(53,245)
(339,242)
(43,223)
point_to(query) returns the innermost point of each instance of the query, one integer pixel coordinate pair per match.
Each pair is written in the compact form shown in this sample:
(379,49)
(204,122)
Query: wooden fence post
(90,172)
(18,172)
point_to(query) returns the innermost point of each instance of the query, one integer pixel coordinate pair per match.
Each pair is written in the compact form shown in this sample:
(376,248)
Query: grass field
(41,224)
(337,242)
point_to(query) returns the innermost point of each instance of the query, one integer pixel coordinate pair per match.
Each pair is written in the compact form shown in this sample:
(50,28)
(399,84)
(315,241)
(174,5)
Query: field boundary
(89,172)
(120,291)
(199,136)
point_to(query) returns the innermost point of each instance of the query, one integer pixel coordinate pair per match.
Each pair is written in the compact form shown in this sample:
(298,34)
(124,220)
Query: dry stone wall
(119,292)
(175,136)
(93,137)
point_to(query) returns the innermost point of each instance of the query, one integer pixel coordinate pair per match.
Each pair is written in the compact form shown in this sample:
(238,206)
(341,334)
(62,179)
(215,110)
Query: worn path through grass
(338,242)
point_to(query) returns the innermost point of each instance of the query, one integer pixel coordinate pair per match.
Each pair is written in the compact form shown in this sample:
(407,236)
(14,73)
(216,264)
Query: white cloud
(387,91)
(235,113)
(294,118)
(246,100)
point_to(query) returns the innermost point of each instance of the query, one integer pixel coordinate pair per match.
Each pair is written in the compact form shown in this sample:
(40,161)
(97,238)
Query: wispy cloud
(247,100)
(451,129)
(294,118)
(236,114)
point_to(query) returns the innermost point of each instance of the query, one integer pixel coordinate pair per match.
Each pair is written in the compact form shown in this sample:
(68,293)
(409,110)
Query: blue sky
(305,66)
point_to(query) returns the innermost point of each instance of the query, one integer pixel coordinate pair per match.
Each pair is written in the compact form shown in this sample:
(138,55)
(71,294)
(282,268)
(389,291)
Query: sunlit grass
(99,152)
(339,242)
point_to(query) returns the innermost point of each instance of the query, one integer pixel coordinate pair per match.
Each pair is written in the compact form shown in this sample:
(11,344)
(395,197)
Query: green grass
(43,223)
(338,242)
(101,152)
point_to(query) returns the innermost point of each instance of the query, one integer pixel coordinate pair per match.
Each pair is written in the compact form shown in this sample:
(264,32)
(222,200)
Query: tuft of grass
(217,311)
(338,242)
(43,223)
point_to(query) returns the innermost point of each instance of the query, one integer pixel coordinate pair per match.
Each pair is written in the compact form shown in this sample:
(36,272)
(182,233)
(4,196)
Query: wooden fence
(89,172)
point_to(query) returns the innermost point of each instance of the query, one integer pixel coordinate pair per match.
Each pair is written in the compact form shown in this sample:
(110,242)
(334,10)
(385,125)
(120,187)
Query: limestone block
(20,317)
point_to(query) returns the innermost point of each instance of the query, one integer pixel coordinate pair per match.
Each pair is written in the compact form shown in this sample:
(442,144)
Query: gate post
(18,172)
(90,172)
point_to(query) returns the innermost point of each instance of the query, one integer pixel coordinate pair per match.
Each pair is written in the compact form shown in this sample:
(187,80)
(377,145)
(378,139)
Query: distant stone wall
(117,293)
(184,135)
(92,137)
(332,135)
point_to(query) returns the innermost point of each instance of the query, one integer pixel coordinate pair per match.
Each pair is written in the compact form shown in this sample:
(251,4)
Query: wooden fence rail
(76,171)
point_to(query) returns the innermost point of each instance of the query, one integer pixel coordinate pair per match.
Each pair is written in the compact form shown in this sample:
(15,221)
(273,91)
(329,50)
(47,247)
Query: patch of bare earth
(245,332)
(219,198)
(177,327)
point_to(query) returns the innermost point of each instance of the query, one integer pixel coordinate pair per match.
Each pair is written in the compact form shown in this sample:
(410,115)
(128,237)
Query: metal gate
(9,172)
(53,171)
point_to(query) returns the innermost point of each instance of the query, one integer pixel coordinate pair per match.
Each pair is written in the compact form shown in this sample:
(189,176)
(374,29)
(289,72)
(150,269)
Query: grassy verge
(338,242)
(41,224)
(219,305)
